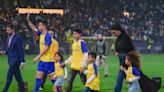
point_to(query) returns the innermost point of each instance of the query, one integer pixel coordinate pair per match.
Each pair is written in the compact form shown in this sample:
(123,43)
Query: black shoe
(106,75)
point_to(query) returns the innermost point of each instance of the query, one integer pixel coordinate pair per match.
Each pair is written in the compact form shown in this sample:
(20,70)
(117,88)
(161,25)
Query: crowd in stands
(144,21)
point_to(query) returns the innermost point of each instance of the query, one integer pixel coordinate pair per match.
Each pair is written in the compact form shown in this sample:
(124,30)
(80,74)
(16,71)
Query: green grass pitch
(152,65)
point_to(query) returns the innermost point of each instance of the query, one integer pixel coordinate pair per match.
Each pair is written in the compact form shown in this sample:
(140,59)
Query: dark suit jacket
(15,51)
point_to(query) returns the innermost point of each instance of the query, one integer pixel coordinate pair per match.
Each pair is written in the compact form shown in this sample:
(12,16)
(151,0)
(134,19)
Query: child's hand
(65,78)
(122,68)
(63,64)
(85,72)
(129,80)
(82,69)
(54,77)
(87,83)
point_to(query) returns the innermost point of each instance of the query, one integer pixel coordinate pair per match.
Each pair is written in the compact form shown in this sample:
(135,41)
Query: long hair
(61,56)
(134,58)
(118,28)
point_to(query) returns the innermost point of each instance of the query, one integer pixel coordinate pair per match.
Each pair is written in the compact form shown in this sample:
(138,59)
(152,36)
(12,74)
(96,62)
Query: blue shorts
(46,67)
(59,81)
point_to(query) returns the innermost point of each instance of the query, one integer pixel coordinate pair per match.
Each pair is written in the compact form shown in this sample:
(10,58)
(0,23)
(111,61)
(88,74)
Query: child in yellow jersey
(93,79)
(60,73)
(132,73)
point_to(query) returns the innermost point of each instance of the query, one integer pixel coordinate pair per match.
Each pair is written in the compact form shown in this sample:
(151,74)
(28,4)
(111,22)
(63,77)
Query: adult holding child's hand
(123,45)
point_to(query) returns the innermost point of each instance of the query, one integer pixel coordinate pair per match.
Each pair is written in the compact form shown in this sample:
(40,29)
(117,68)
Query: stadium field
(152,65)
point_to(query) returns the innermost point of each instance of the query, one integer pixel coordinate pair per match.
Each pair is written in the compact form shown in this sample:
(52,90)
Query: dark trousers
(14,71)
(87,89)
(43,80)
(73,74)
(121,74)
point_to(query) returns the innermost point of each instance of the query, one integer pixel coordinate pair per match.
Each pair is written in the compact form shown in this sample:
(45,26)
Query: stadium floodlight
(38,10)
(126,13)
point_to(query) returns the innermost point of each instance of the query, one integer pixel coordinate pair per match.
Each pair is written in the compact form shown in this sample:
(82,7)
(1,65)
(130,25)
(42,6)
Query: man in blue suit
(15,53)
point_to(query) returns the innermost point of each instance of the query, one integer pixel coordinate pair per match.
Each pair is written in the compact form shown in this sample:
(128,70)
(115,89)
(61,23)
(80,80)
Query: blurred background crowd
(142,19)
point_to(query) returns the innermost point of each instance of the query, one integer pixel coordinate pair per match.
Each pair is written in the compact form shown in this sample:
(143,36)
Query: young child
(93,79)
(132,73)
(60,73)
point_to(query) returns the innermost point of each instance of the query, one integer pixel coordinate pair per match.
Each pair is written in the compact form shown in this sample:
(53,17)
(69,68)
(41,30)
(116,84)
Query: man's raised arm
(32,26)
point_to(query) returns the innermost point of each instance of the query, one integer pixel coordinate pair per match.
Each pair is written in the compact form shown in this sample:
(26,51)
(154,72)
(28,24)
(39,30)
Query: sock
(38,84)
(58,88)
(53,81)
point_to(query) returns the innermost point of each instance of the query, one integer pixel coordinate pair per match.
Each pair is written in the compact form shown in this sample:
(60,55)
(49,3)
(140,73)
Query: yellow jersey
(45,40)
(78,50)
(132,72)
(54,48)
(95,84)
(59,70)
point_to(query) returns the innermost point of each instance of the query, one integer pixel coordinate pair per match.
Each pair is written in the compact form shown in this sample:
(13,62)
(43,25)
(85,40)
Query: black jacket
(124,44)
(147,84)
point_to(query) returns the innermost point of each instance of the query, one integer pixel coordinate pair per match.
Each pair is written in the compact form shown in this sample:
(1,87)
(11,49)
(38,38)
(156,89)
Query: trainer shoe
(106,75)
(41,89)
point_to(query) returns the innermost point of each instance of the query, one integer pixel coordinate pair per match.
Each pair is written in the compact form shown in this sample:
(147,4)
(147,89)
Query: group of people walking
(86,64)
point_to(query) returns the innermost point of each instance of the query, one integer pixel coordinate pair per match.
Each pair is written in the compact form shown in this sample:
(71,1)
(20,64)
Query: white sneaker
(41,89)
